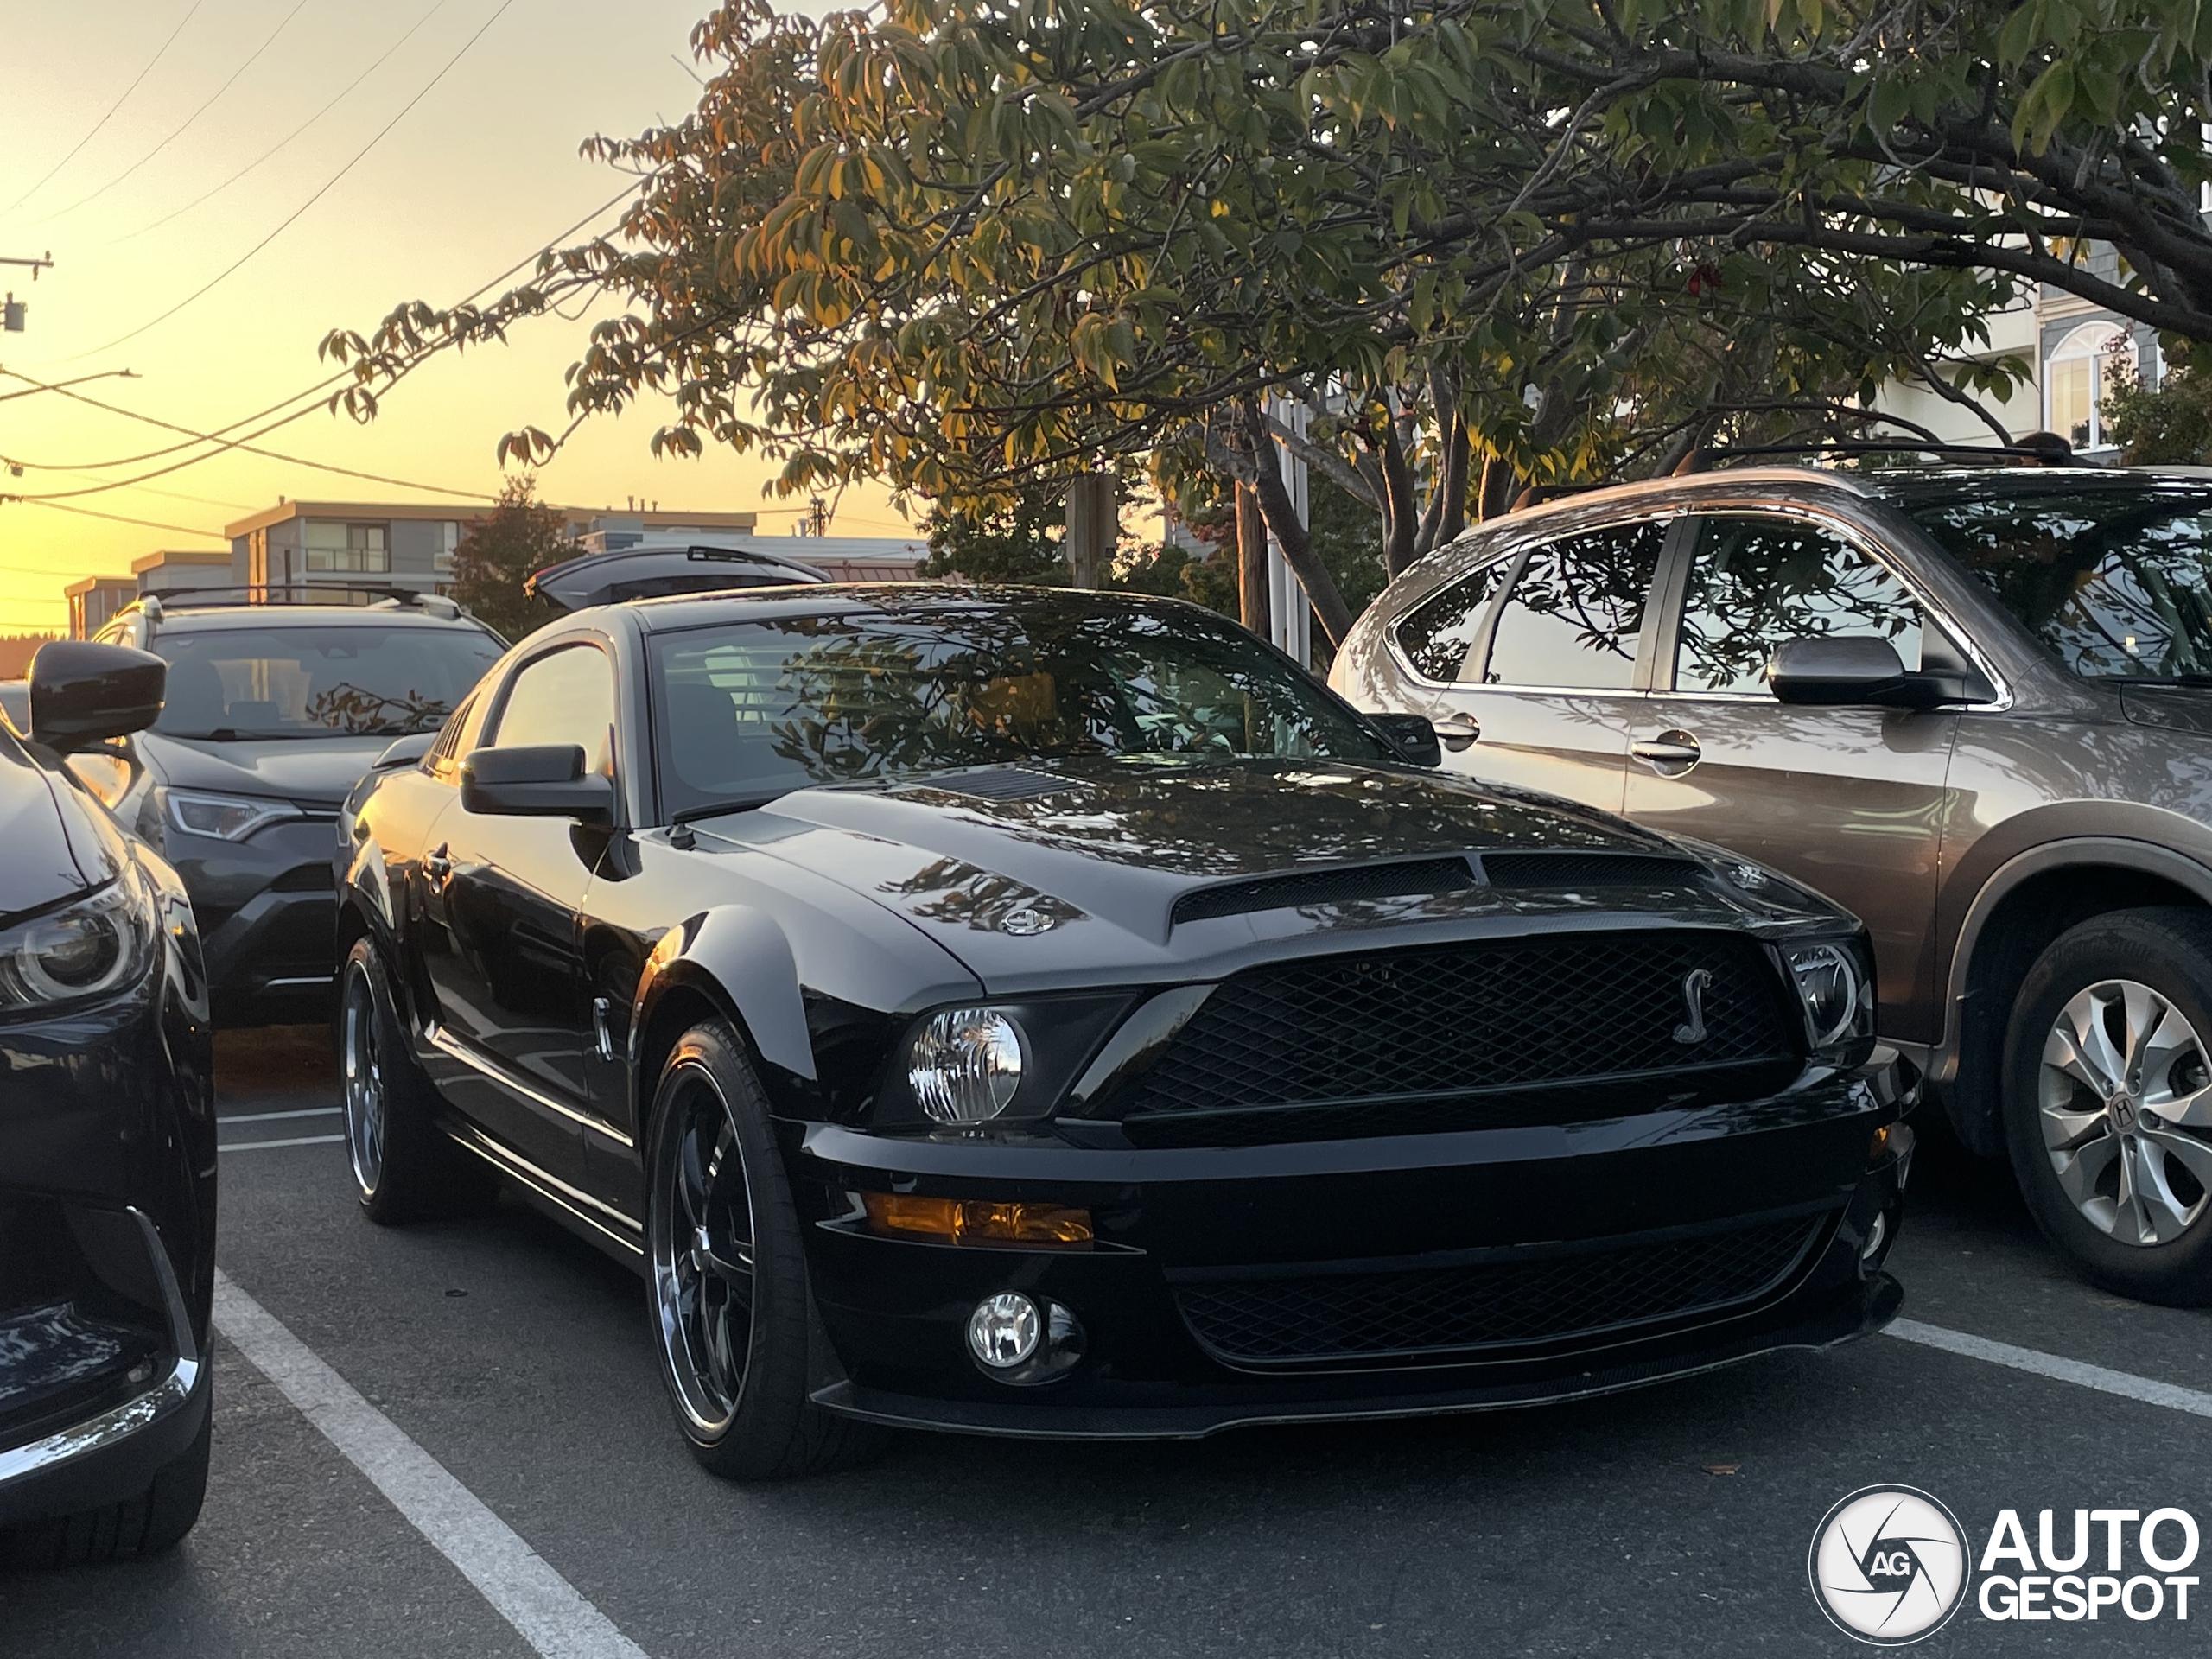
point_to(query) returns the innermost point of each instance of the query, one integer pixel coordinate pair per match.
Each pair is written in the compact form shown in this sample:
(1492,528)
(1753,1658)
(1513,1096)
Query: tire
(405,1168)
(157,1520)
(725,1268)
(2108,1099)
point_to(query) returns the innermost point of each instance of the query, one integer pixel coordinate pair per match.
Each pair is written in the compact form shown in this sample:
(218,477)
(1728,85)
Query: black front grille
(1555,1029)
(1407,878)
(1589,870)
(1553,1298)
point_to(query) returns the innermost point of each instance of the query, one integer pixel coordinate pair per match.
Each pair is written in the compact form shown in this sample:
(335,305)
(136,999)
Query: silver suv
(1973,705)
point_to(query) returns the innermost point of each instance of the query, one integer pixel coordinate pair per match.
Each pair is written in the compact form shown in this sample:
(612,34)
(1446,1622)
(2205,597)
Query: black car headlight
(991,1065)
(223,818)
(1836,988)
(964,1065)
(84,950)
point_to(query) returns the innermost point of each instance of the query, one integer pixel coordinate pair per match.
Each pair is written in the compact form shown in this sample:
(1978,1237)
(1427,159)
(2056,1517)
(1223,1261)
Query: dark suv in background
(274,712)
(1972,704)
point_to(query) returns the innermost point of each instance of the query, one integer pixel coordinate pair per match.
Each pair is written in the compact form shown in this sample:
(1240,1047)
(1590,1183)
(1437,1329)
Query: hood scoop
(1000,783)
(1409,879)
(1590,870)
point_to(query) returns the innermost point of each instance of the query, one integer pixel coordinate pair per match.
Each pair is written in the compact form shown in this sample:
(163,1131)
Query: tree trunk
(1282,514)
(1252,564)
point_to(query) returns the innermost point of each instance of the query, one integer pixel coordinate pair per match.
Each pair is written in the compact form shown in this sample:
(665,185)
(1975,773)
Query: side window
(566,697)
(458,736)
(1576,611)
(1754,583)
(1437,634)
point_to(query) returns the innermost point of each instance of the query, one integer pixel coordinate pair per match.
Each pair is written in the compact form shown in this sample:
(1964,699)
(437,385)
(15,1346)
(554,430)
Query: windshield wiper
(743,803)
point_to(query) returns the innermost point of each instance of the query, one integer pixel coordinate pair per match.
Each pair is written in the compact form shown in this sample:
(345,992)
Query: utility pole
(11,308)
(1094,526)
(817,516)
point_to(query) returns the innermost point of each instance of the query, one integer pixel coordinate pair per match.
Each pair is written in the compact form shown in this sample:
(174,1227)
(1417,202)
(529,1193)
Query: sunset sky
(478,174)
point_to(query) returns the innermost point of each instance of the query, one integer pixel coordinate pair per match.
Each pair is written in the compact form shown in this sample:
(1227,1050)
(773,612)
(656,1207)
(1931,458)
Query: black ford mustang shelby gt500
(1057,1015)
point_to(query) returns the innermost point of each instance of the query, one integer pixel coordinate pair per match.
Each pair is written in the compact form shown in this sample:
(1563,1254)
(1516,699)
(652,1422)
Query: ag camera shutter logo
(1888,1565)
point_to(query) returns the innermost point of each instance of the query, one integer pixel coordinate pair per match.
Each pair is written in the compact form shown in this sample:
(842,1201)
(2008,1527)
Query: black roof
(915,598)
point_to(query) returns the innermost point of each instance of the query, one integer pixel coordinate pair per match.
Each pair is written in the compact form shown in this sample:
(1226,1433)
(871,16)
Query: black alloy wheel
(404,1166)
(732,1314)
(2108,1101)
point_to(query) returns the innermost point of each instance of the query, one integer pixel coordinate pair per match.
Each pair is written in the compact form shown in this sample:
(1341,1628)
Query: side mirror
(1414,736)
(406,751)
(1853,670)
(544,780)
(83,692)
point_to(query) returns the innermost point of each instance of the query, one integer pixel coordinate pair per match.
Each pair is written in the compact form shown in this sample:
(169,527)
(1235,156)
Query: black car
(274,712)
(1057,1015)
(107,1146)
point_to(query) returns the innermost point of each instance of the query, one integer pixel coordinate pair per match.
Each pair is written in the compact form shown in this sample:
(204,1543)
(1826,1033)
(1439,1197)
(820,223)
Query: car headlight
(86,949)
(965,1064)
(225,817)
(1837,990)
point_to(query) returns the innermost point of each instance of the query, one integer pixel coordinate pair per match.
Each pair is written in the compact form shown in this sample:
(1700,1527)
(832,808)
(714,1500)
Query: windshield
(747,711)
(2117,581)
(312,681)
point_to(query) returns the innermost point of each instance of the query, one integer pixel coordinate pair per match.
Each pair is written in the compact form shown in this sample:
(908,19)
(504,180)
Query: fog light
(1875,1235)
(1891,1140)
(1004,1329)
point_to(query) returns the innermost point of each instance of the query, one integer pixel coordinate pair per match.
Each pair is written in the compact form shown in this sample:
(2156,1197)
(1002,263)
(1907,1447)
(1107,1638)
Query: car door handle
(1668,751)
(1457,732)
(434,862)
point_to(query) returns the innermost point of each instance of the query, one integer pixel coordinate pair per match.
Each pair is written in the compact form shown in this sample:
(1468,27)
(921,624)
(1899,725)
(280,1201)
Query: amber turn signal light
(1891,1140)
(972,1221)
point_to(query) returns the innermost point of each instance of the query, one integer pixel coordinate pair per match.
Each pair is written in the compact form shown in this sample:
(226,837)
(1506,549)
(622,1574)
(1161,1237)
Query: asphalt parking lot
(1673,1521)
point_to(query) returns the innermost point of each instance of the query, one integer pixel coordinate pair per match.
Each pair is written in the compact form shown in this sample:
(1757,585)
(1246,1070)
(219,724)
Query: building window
(448,538)
(346,547)
(2078,378)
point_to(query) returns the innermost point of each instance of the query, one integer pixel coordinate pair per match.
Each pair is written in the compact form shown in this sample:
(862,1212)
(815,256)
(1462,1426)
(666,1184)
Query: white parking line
(271,1117)
(296,1141)
(544,1607)
(2078,1372)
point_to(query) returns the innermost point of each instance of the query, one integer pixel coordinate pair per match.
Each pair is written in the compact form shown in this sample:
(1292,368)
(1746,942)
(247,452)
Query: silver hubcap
(364,1078)
(2125,1106)
(702,1254)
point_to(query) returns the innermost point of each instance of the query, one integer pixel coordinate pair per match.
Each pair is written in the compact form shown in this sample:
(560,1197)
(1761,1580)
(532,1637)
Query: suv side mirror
(1852,671)
(1413,736)
(83,692)
(542,780)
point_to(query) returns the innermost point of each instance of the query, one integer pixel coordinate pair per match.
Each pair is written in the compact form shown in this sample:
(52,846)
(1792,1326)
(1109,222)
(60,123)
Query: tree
(519,537)
(1014,539)
(2171,426)
(961,246)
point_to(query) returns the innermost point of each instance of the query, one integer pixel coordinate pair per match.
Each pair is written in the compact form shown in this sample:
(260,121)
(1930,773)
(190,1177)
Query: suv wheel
(2108,1101)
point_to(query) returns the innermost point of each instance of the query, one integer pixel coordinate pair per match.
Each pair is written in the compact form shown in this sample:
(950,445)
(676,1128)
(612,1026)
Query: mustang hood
(310,772)
(1021,871)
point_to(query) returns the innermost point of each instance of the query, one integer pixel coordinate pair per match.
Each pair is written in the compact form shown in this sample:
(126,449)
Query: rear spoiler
(621,575)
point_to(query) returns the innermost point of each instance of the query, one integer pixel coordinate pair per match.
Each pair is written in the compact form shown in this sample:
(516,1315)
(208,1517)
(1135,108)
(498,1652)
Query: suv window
(2116,581)
(1437,634)
(1576,611)
(265,679)
(565,697)
(1756,582)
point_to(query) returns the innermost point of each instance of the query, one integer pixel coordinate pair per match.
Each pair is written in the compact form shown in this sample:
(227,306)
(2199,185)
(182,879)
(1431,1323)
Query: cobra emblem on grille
(1694,985)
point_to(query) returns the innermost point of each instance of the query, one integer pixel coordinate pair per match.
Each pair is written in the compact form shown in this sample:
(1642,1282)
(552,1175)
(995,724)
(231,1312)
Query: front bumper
(1363,1278)
(268,913)
(107,1225)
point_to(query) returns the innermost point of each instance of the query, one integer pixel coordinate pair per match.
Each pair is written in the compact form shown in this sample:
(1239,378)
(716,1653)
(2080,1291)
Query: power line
(179,132)
(112,109)
(283,143)
(236,265)
(117,518)
(223,444)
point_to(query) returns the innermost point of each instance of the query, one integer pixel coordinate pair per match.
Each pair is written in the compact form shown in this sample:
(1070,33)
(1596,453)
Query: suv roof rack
(388,596)
(2041,449)
(650,572)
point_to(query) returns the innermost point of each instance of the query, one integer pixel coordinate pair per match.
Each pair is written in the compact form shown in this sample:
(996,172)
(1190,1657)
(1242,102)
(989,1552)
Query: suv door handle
(1457,732)
(434,862)
(1670,753)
